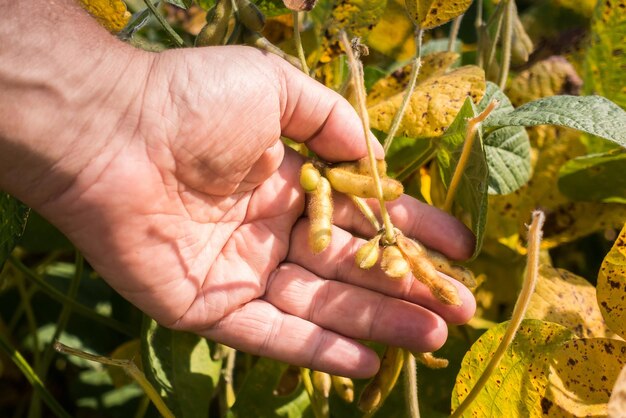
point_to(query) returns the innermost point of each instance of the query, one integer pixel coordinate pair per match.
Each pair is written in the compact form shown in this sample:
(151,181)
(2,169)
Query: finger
(429,225)
(315,114)
(261,329)
(337,263)
(263,168)
(355,312)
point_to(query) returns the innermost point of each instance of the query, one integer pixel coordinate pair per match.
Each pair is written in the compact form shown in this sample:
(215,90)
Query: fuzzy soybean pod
(424,271)
(361,185)
(216,28)
(364,167)
(250,15)
(321,383)
(309,177)
(393,263)
(381,385)
(289,381)
(344,388)
(458,273)
(320,216)
(367,255)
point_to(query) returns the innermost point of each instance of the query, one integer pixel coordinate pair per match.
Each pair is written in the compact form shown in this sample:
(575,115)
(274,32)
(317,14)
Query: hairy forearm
(62,83)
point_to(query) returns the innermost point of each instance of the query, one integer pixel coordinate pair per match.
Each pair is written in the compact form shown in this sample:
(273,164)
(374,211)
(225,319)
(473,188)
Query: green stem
(454,32)
(519,311)
(494,43)
(358,83)
(410,385)
(129,367)
(30,318)
(415,69)
(365,210)
(298,41)
(63,299)
(32,377)
(506,43)
(142,408)
(470,133)
(170,31)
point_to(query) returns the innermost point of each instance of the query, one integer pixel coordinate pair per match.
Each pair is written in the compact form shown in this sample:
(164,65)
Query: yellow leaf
(356,17)
(394,34)
(516,387)
(433,105)
(569,300)
(617,402)
(582,7)
(549,77)
(428,14)
(112,14)
(582,373)
(432,65)
(612,286)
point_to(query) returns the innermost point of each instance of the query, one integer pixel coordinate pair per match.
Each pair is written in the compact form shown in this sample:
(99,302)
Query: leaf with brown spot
(112,14)
(612,286)
(433,105)
(433,64)
(517,385)
(567,299)
(428,14)
(582,374)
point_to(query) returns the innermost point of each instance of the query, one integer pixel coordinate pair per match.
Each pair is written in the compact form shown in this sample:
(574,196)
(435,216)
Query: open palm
(195,216)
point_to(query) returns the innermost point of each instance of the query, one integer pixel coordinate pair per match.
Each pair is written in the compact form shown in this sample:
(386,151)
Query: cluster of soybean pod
(240,21)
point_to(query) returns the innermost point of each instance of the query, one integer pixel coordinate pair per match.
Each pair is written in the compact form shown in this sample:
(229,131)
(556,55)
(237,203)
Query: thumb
(321,118)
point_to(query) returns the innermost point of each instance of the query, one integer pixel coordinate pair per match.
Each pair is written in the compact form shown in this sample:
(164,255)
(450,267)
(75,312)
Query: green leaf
(471,199)
(179,365)
(516,387)
(591,114)
(596,177)
(256,398)
(611,286)
(271,8)
(13,217)
(604,58)
(183,4)
(507,149)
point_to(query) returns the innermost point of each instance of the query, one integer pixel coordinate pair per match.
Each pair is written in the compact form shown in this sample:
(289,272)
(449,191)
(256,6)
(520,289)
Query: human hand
(189,206)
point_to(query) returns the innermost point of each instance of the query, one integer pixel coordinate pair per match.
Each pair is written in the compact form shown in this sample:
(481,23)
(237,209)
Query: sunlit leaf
(582,7)
(271,8)
(112,14)
(617,402)
(612,286)
(548,77)
(597,177)
(394,34)
(507,149)
(582,374)
(428,14)
(433,105)
(471,198)
(517,385)
(605,57)
(13,217)
(180,366)
(568,300)
(256,396)
(591,114)
(432,65)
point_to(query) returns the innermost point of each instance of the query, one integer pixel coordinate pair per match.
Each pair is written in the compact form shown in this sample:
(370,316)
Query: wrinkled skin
(179,192)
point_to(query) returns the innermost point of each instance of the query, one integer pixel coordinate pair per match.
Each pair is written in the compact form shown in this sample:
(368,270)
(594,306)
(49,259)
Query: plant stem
(519,311)
(365,210)
(470,133)
(298,41)
(454,32)
(410,385)
(129,367)
(62,298)
(494,43)
(415,69)
(478,25)
(30,318)
(506,43)
(227,373)
(32,377)
(320,409)
(170,31)
(359,87)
